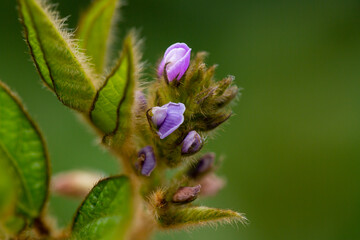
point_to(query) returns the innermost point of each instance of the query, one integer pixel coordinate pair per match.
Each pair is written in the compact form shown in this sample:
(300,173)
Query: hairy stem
(142,225)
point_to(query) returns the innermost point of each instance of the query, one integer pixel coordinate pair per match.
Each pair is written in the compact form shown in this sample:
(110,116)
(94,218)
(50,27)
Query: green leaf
(190,216)
(106,212)
(111,111)
(13,225)
(94,31)
(23,154)
(61,67)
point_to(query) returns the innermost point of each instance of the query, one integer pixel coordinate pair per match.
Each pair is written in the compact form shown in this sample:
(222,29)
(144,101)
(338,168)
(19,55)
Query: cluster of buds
(173,121)
(186,105)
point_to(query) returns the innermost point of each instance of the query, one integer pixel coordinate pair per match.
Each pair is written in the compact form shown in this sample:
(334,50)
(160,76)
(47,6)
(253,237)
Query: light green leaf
(95,29)
(106,212)
(60,65)
(112,107)
(23,154)
(190,216)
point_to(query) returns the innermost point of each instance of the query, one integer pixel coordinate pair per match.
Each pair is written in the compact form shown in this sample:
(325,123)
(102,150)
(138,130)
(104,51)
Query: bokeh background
(292,149)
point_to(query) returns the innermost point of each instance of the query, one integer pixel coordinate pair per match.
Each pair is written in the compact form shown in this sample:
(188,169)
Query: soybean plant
(155,127)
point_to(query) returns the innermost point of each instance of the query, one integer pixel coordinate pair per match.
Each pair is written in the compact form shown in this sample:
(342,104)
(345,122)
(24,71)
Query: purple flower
(168,118)
(177,60)
(192,143)
(146,161)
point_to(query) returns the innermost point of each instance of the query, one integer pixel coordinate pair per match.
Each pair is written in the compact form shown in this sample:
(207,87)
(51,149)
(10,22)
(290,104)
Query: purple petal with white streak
(158,115)
(177,58)
(174,118)
(178,69)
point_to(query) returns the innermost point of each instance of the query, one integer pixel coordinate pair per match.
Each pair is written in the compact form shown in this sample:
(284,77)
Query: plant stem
(42,228)
(142,225)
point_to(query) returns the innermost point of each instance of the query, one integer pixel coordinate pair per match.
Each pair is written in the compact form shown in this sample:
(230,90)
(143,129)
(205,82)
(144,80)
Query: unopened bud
(203,165)
(175,62)
(192,143)
(227,97)
(74,183)
(212,122)
(204,95)
(224,84)
(186,194)
(209,74)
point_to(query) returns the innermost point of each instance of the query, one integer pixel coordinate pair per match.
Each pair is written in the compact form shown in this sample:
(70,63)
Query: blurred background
(292,151)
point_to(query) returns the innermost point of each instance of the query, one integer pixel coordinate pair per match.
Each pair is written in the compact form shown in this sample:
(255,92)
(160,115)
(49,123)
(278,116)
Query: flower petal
(159,115)
(173,120)
(161,67)
(177,56)
(192,143)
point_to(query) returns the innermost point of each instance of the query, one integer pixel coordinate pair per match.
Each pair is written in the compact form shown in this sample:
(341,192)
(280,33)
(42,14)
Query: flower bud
(224,84)
(212,122)
(192,143)
(167,118)
(186,194)
(203,165)
(75,184)
(227,97)
(146,161)
(176,60)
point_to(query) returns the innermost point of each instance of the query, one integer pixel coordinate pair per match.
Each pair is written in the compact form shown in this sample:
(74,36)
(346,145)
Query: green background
(293,148)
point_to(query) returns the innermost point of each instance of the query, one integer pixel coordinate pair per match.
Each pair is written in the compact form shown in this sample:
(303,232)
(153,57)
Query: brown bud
(186,194)
(75,184)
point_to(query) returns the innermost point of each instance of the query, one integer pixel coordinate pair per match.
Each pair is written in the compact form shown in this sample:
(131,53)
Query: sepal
(184,217)
(211,122)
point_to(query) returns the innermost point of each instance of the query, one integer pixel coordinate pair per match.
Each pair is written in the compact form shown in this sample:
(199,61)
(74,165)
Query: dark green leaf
(106,212)
(61,67)
(94,31)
